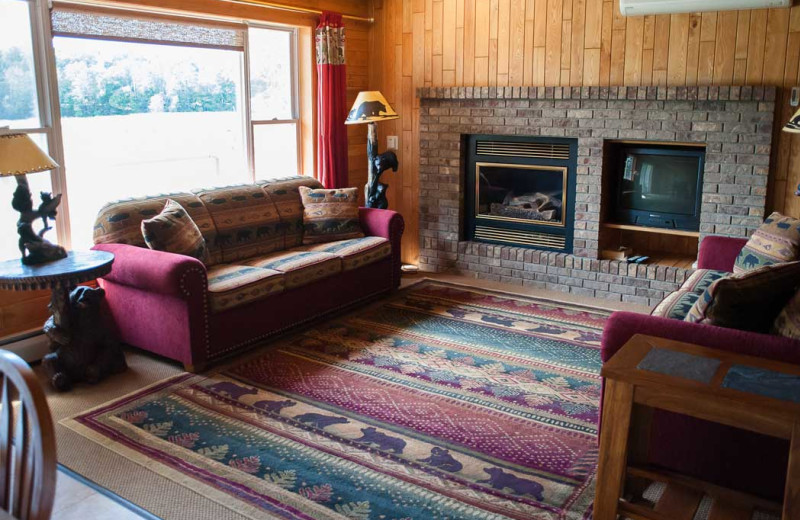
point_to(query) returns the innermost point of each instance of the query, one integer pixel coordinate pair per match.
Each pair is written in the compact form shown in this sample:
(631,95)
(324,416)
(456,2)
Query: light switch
(391,142)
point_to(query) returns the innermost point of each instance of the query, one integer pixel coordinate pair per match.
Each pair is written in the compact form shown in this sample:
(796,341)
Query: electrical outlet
(391,142)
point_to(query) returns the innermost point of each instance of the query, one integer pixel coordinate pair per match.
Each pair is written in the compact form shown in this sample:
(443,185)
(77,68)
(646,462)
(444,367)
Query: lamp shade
(793,126)
(370,107)
(19,155)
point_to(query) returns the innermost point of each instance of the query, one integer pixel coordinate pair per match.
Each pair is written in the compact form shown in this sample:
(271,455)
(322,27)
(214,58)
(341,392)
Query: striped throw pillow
(330,215)
(749,300)
(174,231)
(776,240)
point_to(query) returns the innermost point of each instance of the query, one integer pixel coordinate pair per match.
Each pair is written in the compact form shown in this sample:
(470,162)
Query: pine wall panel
(423,43)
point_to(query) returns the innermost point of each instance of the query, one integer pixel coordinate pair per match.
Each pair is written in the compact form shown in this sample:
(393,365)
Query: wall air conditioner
(643,7)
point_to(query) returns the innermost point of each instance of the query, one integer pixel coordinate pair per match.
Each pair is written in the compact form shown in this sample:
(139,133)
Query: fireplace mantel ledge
(729,93)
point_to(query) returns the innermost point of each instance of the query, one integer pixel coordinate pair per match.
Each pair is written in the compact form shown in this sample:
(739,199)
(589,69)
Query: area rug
(443,402)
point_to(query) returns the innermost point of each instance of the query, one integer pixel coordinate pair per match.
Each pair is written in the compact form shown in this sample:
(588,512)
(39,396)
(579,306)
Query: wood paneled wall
(420,43)
(23,311)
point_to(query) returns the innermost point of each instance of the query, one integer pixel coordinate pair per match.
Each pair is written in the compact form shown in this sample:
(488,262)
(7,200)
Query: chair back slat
(27,443)
(6,436)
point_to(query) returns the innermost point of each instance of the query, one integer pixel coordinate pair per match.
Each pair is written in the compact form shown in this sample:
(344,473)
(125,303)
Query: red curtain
(331,102)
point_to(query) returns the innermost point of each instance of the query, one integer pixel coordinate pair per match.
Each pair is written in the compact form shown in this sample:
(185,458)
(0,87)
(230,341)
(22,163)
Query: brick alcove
(735,123)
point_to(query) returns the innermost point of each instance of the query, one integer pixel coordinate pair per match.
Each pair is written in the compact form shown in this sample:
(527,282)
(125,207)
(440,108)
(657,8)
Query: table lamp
(19,155)
(371,107)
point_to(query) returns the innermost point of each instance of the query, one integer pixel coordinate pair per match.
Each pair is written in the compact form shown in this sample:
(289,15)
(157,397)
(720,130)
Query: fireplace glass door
(521,193)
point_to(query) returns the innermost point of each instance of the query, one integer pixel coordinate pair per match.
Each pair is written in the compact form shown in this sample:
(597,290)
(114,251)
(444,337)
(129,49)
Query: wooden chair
(27,443)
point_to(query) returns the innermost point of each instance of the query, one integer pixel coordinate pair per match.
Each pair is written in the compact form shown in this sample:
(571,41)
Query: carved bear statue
(91,352)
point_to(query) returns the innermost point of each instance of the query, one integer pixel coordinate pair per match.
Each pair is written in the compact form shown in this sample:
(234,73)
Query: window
(140,119)
(148,104)
(23,103)
(275,123)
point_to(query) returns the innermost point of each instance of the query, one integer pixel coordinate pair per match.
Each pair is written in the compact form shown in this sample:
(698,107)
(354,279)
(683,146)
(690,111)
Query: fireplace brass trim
(563,169)
(529,238)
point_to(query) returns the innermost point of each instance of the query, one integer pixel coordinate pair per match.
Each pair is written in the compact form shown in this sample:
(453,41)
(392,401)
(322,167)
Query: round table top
(77,267)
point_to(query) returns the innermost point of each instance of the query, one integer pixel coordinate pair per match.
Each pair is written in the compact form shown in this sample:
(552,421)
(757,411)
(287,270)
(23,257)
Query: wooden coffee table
(745,392)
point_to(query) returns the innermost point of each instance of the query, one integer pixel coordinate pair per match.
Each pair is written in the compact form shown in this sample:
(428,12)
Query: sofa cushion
(233,285)
(701,279)
(749,300)
(355,252)
(299,267)
(330,215)
(121,222)
(676,305)
(285,194)
(247,221)
(776,240)
(174,231)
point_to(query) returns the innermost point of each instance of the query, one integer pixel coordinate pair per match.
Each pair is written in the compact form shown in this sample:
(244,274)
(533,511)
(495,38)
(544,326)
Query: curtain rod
(293,8)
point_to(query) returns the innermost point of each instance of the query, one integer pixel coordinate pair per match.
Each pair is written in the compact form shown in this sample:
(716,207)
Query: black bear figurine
(376,190)
(89,351)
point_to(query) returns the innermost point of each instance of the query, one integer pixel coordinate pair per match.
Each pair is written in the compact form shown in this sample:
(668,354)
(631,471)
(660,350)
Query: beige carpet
(135,483)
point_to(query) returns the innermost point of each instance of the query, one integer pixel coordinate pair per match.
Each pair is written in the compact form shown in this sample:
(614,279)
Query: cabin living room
(400,259)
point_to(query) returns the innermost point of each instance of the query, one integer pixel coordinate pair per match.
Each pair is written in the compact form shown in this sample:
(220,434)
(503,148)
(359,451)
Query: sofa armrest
(621,326)
(156,271)
(387,224)
(719,253)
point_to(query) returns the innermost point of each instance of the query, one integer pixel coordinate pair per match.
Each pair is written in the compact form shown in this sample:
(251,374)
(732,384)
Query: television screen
(659,183)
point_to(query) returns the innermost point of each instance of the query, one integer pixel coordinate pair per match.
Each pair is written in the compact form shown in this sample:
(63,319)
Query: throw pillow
(749,300)
(776,240)
(174,231)
(330,215)
(788,321)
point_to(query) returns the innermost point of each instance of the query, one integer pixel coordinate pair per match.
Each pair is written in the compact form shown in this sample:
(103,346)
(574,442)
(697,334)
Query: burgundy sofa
(165,303)
(723,455)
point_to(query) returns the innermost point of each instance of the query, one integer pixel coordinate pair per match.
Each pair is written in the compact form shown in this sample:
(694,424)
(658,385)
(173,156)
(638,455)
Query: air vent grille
(527,238)
(523,149)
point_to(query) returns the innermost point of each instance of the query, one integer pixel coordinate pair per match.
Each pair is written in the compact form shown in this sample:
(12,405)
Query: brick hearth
(734,122)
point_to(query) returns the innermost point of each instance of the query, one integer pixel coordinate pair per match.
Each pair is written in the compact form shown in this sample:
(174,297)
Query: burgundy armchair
(720,454)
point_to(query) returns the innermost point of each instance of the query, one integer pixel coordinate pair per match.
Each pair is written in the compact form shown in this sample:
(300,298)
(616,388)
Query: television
(659,186)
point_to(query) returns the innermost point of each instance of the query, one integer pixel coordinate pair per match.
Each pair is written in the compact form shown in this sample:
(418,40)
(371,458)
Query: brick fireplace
(734,124)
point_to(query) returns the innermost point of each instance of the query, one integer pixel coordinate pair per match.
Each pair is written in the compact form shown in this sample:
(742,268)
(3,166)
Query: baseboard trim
(31,345)
(144,513)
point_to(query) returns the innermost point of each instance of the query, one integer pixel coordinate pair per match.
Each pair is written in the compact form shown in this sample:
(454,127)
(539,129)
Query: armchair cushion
(776,240)
(233,285)
(356,252)
(174,231)
(330,215)
(701,279)
(749,300)
(787,323)
(299,267)
(676,305)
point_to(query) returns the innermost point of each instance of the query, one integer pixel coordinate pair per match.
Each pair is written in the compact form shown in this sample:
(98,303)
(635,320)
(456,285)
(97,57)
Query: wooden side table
(80,345)
(745,392)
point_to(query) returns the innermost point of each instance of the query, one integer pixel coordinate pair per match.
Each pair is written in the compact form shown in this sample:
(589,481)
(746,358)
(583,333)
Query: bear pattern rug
(444,402)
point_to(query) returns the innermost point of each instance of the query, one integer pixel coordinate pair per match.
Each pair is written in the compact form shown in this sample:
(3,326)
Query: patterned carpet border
(444,401)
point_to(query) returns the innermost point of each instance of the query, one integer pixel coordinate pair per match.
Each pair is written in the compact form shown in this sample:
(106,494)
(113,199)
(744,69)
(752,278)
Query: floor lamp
(371,107)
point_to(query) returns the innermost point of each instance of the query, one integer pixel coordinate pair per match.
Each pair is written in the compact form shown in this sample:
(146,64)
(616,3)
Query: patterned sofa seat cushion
(285,194)
(174,231)
(749,300)
(299,267)
(776,240)
(246,219)
(355,252)
(330,215)
(121,222)
(701,279)
(676,305)
(233,285)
